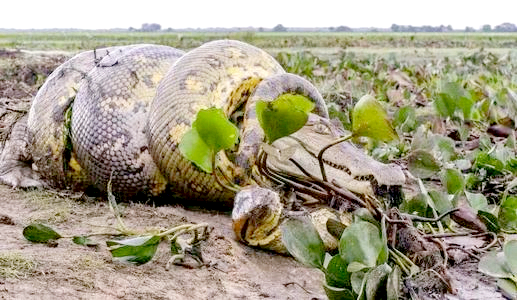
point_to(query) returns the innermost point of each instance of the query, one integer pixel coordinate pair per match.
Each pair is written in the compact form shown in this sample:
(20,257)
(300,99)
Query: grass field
(70,40)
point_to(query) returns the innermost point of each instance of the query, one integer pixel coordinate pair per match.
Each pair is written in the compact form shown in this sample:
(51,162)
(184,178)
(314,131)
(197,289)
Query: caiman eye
(321,128)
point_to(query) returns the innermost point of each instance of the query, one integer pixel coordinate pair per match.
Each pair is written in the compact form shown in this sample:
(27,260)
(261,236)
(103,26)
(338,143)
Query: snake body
(116,116)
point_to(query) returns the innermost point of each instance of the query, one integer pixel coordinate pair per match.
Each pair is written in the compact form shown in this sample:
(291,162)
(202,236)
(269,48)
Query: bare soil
(69,271)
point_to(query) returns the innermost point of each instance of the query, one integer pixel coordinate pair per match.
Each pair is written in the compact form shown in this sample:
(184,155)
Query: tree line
(504,27)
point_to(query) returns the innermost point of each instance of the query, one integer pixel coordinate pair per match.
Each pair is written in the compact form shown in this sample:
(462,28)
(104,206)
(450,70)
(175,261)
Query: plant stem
(320,154)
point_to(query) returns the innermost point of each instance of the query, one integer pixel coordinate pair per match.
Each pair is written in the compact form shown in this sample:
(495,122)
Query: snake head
(257,214)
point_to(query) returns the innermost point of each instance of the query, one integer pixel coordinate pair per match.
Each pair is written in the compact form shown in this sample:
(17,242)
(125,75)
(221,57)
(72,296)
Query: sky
(107,14)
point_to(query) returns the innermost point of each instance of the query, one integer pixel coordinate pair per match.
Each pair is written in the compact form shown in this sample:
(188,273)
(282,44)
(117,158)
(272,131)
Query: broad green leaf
(358,280)
(466,105)
(210,133)
(494,264)
(416,205)
(445,147)
(441,201)
(445,105)
(137,250)
(491,222)
(453,180)
(405,119)
(508,213)
(215,129)
(492,165)
(508,286)
(336,274)
(39,233)
(422,164)
(376,282)
(476,201)
(196,150)
(303,241)
(83,241)
(393,284)
(510,253)
(447,101)
(284,115)
(335,293)
(371,120)
(361,243)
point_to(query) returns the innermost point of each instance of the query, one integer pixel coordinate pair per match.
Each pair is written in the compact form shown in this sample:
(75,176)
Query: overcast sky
(105,14)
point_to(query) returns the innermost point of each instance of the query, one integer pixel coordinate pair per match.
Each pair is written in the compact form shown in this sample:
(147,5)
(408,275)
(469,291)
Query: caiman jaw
(345,164)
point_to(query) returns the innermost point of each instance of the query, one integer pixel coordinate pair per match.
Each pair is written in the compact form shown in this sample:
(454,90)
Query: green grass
(80,40)
(15,265)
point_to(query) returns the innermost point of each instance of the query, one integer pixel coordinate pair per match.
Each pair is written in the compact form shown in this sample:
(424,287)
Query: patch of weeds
(15,265)
(51,208)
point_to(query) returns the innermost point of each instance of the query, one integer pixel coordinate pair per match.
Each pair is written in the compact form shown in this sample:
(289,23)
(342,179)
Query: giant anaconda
(118,114)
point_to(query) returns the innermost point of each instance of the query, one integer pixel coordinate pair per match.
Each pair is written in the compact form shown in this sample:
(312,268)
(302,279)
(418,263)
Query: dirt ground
(70,271)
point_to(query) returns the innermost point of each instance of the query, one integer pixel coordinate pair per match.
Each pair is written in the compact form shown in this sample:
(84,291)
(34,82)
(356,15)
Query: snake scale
(116,115)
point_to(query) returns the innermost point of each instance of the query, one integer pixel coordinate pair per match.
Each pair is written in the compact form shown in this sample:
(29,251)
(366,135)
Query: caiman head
(289,168)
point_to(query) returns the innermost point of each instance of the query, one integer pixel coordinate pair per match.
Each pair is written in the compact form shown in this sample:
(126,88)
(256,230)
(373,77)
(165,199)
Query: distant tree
(395,28)
(506,27)
(469,29)
(449,28)
(279,28)
(343,29)
(486,28)
(261,29)
(151,27)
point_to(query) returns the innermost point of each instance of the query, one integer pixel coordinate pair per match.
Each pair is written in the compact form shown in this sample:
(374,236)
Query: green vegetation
(452,102)
(82,40)
(15,265)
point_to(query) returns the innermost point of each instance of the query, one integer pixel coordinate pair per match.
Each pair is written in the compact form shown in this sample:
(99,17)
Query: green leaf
(196,150)
(210,133)
(476,201)
(284,115)
(335,293)
(510,253)
(393,284)
(422,164)
(39,233)
(509,288)
(337,274)
(491,222)
(466,105)
(416,205)
(453,180)
(84,241)
(492,165)
(303,241)
(494,264)
(508,213)
(376,280)
(215,129)
(371,120)
(441,201)
(358,280)
(405,119)
(361,243)
(137,250)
